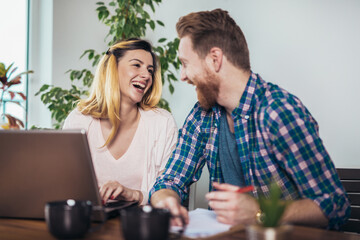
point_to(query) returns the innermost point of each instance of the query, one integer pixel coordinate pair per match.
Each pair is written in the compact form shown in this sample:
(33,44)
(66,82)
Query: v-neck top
(146,156)
(108,168)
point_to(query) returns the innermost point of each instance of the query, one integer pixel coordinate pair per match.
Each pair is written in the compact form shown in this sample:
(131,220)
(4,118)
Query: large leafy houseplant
(7,80)
(125,19)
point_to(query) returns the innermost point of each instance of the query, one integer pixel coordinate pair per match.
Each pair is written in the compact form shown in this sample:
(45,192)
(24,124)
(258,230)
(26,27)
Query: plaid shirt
(277,139)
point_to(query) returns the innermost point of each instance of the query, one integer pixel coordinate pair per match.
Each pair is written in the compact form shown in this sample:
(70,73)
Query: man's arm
(240,208)
(186,161)
(305,212)
(296,143)
(167,198)
(183,167)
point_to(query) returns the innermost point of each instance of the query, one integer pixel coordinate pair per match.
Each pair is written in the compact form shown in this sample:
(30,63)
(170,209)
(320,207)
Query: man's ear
(215,58)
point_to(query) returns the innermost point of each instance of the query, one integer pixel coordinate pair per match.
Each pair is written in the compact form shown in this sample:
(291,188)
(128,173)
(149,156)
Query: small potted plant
(272,209)
(8,121)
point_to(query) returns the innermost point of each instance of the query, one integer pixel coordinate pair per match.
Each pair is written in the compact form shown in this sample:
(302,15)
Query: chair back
(350,178)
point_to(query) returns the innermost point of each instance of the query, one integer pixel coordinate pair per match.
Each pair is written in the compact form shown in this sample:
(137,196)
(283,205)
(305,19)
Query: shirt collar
(243,110)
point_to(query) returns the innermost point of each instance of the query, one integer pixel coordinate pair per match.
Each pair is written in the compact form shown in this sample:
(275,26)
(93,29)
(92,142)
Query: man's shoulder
(275,103)
(270,95)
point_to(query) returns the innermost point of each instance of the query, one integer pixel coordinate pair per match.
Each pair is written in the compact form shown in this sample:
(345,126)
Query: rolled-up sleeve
(297,144)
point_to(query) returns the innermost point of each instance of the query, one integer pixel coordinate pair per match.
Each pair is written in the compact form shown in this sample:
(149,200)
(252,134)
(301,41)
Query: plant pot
(256,232)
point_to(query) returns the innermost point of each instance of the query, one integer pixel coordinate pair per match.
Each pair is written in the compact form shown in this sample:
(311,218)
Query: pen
(245,189)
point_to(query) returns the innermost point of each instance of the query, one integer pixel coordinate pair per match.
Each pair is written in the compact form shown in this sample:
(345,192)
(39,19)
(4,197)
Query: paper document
(202,223)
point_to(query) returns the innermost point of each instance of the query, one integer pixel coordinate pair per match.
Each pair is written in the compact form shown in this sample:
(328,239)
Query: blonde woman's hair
(104,98)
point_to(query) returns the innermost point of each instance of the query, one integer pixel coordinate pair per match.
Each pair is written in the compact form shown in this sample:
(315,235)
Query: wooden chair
(350,178)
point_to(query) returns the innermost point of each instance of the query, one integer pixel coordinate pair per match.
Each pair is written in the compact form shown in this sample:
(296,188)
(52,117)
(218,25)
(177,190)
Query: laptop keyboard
(114,203)
(118,203)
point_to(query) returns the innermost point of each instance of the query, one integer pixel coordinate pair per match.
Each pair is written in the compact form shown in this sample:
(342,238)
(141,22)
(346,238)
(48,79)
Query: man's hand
(114,190)
(232,207)
(166,198)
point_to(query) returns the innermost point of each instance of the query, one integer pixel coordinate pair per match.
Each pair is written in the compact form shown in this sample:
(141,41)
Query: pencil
(245,189)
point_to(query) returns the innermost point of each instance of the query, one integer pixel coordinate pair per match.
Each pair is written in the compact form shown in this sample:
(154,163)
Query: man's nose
(183,76)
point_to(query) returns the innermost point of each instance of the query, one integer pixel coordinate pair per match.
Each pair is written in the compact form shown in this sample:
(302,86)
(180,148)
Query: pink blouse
(144,160)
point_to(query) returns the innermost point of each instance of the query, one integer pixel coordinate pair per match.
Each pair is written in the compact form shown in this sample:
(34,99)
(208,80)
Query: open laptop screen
(38,166)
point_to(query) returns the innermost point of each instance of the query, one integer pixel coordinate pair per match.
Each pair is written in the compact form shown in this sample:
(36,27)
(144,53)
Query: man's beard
(207,90)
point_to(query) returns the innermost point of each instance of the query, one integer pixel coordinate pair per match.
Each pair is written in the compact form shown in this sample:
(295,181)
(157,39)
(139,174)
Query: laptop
(39,166)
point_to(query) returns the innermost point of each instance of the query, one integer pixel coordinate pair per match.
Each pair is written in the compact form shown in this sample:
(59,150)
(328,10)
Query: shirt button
(246,117)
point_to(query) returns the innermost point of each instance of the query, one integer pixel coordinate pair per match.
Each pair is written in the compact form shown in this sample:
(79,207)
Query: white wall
(40,59)
(60,31)
(309,47)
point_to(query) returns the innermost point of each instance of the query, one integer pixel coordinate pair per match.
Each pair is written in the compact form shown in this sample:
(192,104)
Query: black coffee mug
(69,218)
(145,223)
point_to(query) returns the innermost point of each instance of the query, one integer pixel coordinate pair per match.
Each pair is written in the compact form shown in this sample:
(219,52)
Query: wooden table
(14,229)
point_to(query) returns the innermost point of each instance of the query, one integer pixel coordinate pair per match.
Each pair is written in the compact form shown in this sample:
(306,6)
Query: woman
(129,138)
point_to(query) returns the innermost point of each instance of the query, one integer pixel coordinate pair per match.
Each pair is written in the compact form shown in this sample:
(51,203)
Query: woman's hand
(114,190)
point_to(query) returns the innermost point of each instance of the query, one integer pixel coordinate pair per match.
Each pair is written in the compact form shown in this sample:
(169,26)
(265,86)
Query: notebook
(39,166)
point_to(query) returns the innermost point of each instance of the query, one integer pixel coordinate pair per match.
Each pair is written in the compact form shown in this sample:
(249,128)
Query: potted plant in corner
(8,121)
(271,211)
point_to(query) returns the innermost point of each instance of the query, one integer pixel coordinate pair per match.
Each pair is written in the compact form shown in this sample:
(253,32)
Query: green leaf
(42,89)
(2,67)
(152,24)
(162,40)
(272,206)
(121,23)
(171,88)
(139,9)
(127,30)
(152,6)
(100,3)
(72,75)
(100,15)
(105,14)
(89,51)
(160,23)
(160,50)
(164,104)
(78,75)
(102,8)
(172,77)
(96,60)
(9,67)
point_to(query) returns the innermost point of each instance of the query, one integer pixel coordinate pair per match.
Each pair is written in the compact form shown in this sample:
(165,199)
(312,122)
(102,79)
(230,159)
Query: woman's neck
(129,114)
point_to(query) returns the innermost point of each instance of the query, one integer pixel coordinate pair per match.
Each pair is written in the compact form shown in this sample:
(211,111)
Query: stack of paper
(202,223)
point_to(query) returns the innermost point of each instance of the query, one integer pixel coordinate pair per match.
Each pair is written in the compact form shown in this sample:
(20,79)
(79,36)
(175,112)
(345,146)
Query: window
(13,49)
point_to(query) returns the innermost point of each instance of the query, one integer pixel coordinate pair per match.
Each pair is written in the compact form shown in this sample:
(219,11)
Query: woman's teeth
(139,85)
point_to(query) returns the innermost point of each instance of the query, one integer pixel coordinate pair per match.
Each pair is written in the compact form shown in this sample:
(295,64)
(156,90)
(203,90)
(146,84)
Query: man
(248,132)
